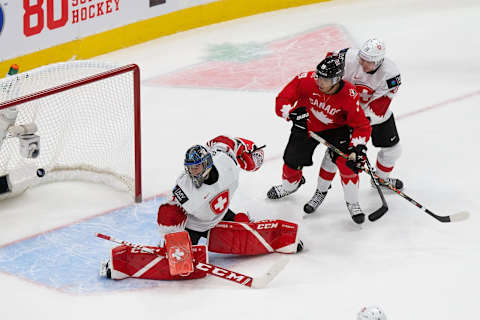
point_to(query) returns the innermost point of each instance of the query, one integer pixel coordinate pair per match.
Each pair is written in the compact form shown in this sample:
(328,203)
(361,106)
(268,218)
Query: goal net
(87,115)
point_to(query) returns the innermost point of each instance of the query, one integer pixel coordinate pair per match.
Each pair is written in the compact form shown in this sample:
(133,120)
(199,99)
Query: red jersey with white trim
(376,89)
(206,206)
(325,111)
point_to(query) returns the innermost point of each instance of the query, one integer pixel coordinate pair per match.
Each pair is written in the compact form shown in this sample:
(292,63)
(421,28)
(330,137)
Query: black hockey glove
(356,157)
(299,117)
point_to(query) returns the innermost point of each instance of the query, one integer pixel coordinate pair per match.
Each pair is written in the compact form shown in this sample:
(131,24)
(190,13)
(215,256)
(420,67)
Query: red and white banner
(27,26)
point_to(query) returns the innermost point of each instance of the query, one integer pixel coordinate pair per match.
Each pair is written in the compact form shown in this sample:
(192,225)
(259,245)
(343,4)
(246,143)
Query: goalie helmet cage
(88,119)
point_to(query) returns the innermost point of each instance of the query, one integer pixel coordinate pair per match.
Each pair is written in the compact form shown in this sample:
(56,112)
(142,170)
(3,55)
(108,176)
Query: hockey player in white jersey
(29,142)
(199,204)
(376,79)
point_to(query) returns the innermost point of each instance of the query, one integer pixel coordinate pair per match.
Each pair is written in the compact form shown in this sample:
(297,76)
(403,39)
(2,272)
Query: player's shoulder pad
(179,194)
(394,82)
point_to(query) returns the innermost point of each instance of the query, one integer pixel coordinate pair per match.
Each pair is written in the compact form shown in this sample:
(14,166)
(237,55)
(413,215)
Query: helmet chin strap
(206,173)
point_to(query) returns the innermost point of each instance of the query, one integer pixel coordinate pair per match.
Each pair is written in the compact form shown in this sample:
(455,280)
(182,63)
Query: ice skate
(356,212)
(395,182)
(315,202)
(277,192)
(299,246)
(105,270)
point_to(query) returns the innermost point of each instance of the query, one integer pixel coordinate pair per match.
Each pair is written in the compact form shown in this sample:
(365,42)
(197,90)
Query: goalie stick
(377,214)
(248,281)
(455,217)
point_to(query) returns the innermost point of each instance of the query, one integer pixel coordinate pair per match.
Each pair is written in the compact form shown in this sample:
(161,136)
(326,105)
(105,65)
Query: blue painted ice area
(68,259)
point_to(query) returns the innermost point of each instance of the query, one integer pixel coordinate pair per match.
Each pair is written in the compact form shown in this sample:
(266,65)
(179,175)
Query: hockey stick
(257,282)
(377,214)
(455,217)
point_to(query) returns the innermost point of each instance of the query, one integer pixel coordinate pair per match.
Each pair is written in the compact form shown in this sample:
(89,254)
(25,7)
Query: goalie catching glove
(248,156)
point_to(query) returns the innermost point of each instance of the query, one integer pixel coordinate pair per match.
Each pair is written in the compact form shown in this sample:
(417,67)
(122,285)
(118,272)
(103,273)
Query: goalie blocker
(175,261)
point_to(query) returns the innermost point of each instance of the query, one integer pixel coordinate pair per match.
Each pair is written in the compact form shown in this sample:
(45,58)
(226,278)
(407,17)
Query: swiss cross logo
(177,254)
(220,203)
(364,92)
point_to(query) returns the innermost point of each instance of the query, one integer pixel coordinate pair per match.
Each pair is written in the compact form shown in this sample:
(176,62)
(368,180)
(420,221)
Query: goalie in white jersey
(376,79)
(199,204)
(201,198)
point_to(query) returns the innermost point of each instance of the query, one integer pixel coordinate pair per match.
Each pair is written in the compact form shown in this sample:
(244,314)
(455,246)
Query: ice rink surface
(198,84)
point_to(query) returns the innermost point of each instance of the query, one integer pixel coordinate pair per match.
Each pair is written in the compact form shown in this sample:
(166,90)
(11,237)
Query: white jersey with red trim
(206,206)
(381,86)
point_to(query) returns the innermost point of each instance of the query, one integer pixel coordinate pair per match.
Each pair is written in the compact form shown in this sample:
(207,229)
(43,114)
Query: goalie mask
(198,163)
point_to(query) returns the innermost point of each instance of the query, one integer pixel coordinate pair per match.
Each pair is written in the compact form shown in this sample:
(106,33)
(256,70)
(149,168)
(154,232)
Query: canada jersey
(383,84)
(206,206)
(325,111)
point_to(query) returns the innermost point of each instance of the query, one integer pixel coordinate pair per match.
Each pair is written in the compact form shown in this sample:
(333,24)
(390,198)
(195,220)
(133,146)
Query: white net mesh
(86,133)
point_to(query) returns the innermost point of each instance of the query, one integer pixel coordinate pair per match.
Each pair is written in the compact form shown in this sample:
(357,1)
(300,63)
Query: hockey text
(55,14)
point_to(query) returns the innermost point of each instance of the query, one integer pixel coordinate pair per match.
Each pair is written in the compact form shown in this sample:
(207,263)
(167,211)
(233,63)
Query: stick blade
(263,281)
(102,236)
(377,214)
(459,216)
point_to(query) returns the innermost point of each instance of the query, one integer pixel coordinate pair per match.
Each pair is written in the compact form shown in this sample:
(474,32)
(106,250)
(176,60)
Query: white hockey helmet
(371,313)
(373,50)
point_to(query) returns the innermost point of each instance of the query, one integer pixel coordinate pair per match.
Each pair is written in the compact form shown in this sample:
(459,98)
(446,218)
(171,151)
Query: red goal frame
(107,74)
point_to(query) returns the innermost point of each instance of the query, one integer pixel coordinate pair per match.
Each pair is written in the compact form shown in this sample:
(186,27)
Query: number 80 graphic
(33,26)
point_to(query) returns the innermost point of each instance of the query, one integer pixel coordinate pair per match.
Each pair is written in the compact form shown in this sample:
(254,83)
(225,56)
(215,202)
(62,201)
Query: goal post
(88,119)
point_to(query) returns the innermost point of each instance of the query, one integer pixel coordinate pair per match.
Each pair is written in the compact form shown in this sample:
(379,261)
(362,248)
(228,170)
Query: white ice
(408,263)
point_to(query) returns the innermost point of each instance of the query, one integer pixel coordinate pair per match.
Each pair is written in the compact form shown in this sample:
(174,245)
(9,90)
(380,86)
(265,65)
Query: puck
(40,172)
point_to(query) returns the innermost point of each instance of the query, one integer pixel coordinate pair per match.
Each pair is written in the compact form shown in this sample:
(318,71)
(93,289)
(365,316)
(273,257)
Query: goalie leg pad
(126,261)
(253,238)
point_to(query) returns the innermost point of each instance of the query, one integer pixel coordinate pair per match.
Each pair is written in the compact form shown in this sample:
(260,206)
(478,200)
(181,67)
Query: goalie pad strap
(253,238)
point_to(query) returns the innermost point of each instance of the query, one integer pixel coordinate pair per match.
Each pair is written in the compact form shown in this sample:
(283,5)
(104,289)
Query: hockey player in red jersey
(199,204)
(321,102)
(376,79)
